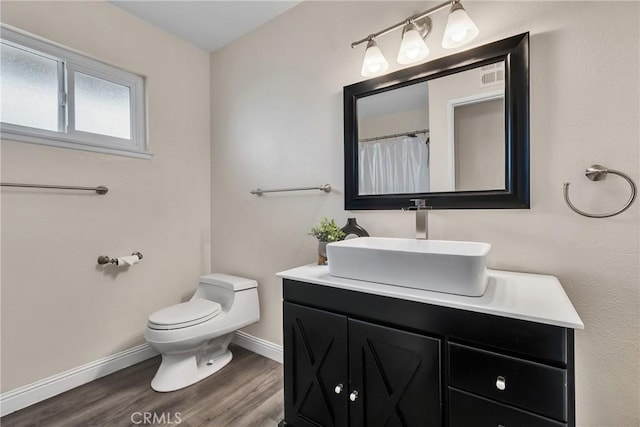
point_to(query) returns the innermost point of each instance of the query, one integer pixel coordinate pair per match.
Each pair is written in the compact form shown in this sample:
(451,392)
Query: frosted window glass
(102,107)
(29,86)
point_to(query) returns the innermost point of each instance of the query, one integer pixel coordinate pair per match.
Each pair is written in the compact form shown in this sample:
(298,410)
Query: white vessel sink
(432,265)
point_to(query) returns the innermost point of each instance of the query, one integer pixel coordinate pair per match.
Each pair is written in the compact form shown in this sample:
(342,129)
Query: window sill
(62,143)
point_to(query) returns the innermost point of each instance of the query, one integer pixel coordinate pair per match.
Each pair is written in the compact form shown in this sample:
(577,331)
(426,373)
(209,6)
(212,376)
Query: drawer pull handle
(353,396)
(338,389)
(501,383)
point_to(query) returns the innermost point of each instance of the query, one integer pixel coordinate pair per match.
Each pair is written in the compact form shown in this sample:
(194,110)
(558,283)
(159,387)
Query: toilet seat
(183,315)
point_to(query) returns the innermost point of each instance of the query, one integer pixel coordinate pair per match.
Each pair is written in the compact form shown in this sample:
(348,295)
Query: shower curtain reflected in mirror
(394,166)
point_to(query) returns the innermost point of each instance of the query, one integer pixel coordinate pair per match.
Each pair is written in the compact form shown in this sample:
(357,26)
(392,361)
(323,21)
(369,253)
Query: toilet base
(182,370)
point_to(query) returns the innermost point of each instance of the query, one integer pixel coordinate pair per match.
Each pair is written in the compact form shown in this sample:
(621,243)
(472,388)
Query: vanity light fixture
(374,61)
(413,47)
(460,30)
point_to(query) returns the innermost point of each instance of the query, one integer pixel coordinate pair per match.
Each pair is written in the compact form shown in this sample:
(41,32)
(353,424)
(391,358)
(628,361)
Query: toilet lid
(188,313)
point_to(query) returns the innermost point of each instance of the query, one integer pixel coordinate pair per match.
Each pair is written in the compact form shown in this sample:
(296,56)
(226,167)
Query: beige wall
(59,309)
(389,124)
(479,145)
(276,102)
(443,151)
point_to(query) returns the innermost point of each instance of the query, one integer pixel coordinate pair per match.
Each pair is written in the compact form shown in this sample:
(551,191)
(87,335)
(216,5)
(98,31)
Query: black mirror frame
(514,51)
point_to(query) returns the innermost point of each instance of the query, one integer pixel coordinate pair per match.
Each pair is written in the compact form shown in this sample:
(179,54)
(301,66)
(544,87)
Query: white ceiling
(208,24)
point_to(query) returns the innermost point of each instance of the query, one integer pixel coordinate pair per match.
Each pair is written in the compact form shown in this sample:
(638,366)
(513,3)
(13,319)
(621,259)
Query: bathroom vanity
(366,354)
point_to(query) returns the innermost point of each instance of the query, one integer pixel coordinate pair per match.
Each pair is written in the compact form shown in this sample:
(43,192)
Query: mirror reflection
(440,135)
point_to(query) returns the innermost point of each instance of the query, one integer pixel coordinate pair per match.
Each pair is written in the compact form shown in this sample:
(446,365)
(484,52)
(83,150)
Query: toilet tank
(233,283)
(222,288)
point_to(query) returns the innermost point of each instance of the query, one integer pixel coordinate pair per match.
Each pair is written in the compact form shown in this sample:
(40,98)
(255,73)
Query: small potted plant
(326,231)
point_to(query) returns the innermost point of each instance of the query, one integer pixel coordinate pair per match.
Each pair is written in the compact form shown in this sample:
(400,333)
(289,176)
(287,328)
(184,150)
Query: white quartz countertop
(532,297)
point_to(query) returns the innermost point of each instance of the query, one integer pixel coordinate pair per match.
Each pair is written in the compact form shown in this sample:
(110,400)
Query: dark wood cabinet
(466,409)
(315,360)
(358,359)
(345,372)
(536,387)
(396,375)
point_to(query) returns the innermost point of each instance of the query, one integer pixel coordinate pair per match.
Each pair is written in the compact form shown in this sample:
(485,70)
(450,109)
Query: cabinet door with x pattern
(316,363)
(394,377)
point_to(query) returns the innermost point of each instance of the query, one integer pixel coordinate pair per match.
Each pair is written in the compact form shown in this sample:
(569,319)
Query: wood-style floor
(248,392)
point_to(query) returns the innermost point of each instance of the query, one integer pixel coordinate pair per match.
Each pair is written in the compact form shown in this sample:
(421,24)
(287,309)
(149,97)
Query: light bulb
(374,62)
(458,36)
(413,48)
(460,28)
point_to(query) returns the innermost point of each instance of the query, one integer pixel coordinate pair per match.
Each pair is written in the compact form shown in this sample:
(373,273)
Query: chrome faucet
(422,219)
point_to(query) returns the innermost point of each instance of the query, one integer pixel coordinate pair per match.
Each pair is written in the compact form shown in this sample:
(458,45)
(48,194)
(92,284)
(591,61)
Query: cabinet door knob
(501,383)
(338,389)
(353,396)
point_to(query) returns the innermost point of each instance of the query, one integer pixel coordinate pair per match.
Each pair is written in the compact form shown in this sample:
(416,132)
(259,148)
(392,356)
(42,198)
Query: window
(54,96)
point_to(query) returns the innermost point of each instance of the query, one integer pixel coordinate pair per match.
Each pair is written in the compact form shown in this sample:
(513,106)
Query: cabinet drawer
(528,385)
(466,410)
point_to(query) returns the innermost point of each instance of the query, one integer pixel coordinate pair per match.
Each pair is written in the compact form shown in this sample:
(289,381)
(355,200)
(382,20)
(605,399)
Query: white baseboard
(29,394)
(259,346)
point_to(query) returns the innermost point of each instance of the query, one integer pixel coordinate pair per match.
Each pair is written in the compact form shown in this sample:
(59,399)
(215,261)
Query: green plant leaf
(327,231)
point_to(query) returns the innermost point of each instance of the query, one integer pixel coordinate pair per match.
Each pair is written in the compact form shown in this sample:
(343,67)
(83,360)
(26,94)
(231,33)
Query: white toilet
(193,337)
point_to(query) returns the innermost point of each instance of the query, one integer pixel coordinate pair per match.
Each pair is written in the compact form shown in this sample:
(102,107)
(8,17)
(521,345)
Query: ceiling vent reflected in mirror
(492,74)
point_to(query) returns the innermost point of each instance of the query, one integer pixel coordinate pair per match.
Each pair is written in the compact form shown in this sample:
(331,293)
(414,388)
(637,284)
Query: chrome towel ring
(598,173)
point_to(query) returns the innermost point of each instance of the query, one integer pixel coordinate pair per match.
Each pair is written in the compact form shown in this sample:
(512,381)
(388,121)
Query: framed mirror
(453,131)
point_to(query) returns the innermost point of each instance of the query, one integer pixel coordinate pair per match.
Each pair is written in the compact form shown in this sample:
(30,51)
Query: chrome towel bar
(101,189)
(598,173)
(325,187)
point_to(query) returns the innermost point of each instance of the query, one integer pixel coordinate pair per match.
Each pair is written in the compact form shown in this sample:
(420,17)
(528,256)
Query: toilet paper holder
(105,259)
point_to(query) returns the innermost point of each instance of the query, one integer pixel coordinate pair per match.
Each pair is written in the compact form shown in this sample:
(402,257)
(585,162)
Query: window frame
(70,62)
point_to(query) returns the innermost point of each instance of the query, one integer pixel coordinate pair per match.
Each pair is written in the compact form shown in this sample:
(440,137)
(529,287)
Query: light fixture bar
(404,22)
